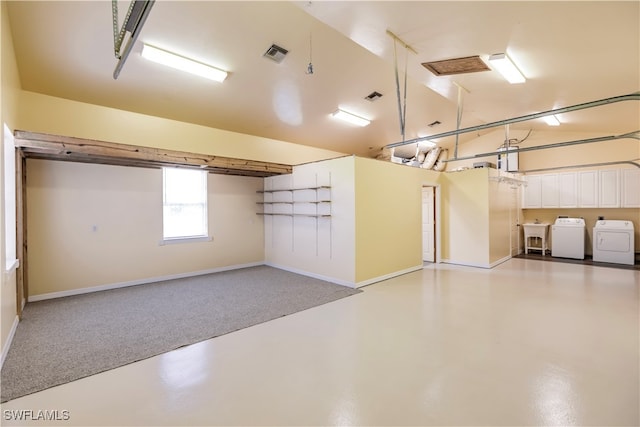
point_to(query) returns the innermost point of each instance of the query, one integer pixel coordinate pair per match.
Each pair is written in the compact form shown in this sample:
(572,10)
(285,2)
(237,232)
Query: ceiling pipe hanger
(459,113)
(629,97)
(402,100)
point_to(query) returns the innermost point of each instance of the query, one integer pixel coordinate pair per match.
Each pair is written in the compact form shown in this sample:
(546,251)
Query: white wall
(321,247)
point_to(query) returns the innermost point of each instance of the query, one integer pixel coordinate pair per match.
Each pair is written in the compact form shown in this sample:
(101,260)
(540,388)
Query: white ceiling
(571,53)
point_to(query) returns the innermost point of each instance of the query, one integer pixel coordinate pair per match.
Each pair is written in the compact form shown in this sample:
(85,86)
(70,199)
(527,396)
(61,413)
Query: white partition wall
(350,220)
(309,220)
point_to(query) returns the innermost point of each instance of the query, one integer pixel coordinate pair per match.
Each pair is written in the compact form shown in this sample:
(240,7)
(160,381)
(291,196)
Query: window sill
(185,240)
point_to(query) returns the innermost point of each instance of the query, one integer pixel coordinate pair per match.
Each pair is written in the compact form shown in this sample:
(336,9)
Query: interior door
(428,224)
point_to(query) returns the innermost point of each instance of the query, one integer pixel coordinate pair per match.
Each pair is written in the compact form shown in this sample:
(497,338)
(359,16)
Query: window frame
(204,203)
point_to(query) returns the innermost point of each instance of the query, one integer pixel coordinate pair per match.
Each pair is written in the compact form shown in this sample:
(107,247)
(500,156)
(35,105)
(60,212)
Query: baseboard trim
(388,276)
(71,292)
(487,266)
(465,264)
(346,283)
(500,261)
(314,275)
(7,344)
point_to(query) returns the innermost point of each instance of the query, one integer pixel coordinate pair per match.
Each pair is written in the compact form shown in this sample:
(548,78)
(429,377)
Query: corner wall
(322,247)
(465,217)
(388,218)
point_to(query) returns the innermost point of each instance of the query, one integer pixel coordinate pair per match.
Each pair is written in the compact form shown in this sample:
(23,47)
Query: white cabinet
(609,188)
(588,189)
(568,190)
(549,189)
(531,196)
(630,190)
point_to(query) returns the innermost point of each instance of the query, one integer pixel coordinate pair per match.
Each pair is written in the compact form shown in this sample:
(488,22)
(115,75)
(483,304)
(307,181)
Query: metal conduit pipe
(634,135)
(134,36)
(630,97)
(621,162)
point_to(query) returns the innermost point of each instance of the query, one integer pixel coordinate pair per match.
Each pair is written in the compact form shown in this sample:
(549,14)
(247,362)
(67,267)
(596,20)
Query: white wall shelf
(285,190)
(293,202)
(293,214)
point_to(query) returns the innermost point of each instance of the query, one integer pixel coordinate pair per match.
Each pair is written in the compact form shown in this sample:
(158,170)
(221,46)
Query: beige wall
(504,207)
(47,114)
(93,225)
(465,217)
(9,92)
(388,217)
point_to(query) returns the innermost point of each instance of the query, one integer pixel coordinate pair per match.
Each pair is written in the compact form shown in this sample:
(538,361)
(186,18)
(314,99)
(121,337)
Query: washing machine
(567,238)
(613,241)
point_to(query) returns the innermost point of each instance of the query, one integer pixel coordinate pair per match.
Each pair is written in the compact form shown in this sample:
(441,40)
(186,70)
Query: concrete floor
(526,343)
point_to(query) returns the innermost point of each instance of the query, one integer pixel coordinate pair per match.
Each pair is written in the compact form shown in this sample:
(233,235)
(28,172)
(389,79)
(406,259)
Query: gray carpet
(65,339)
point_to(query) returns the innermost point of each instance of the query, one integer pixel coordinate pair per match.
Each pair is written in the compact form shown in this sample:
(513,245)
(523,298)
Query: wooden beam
(55,147)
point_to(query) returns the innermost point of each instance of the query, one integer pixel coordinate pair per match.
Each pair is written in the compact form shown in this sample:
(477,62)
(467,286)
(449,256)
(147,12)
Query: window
(184,204)
(10,199)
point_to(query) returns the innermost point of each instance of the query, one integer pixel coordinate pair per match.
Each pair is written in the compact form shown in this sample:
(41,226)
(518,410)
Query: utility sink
(537,232)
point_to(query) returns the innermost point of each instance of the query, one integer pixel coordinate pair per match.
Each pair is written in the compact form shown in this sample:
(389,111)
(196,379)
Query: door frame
(436,219)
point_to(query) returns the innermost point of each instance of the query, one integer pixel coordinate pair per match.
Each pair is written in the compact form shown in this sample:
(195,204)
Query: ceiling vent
(469,64)
(276,53)
(373,96)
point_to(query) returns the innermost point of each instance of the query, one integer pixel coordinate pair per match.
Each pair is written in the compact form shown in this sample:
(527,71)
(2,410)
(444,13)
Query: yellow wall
(92,225)
(388,217)
(47,114)
(9,91)
(465,217)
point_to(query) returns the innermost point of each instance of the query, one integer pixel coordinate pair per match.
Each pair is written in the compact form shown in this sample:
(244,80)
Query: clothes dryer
(613,241)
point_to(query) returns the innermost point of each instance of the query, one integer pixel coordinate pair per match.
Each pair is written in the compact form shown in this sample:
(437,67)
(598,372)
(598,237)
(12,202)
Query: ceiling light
(181,63)
(552,120)
(351,118)
(507,68)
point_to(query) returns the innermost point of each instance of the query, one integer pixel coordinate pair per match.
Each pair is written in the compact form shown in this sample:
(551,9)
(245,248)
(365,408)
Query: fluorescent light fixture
(552,120)
(181,63)
(351,118)
(507,68)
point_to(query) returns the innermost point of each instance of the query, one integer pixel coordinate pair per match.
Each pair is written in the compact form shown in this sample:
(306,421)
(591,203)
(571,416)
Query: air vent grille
(469,64)
(276,53)
(373,96)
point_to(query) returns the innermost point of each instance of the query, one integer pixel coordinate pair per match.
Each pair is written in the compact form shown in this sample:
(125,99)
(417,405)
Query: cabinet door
(630,188)
(531,196)
(549,191)
(609,193)
(568,190)
(588,189)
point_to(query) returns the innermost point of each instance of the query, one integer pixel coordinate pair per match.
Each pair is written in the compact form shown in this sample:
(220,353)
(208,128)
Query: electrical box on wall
(508,162)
